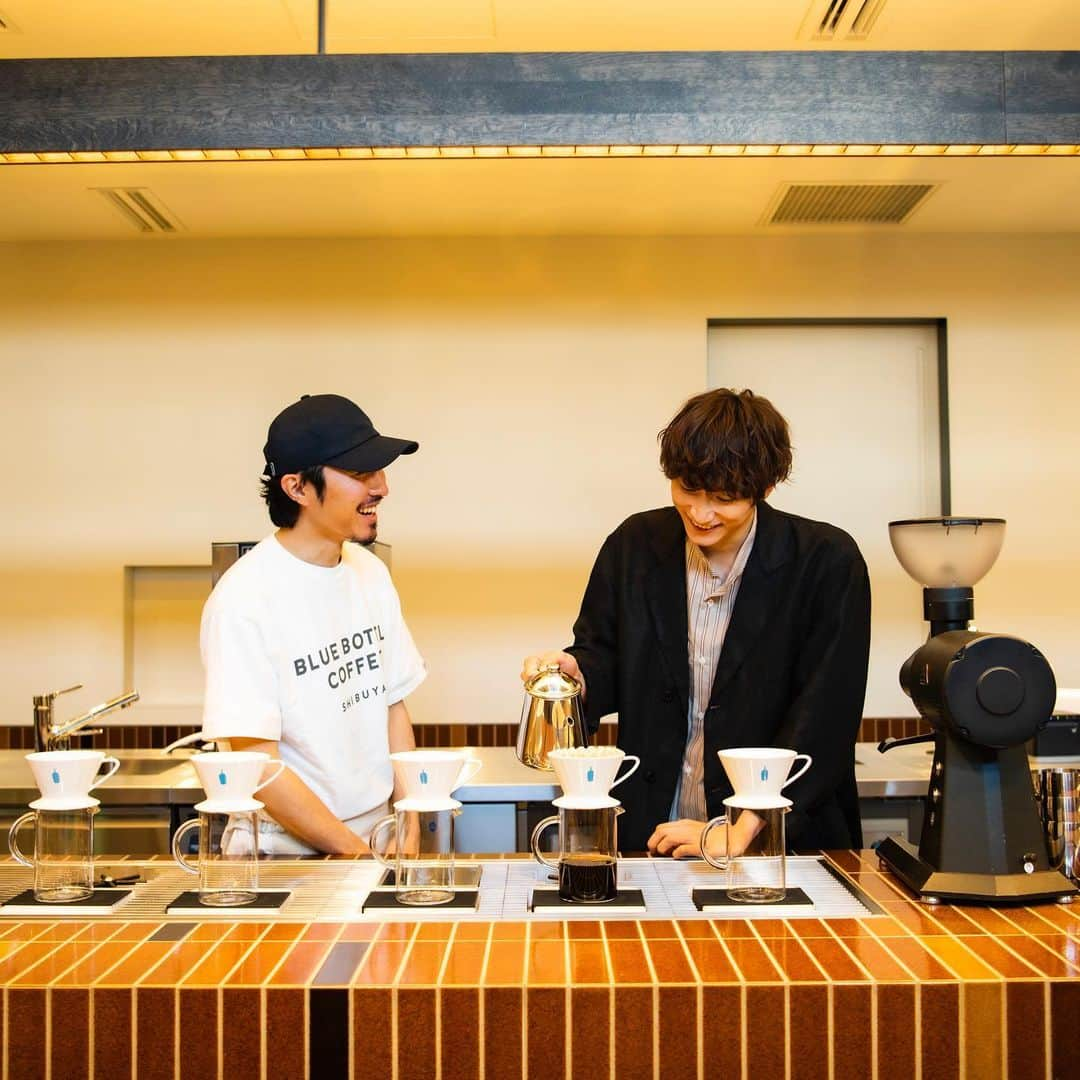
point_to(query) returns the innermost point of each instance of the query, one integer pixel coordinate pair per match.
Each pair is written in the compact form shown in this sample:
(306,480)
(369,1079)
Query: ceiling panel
(56,28)
(522,196)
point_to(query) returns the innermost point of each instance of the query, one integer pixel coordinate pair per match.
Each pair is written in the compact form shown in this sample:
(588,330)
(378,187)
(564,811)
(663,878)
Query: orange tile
(434,931)
(31,953)
(983,1014)
(322,932)
(910,916)
(1029,919)
(477,931)
(629,963)
(622,929)
(96,964)
(546,964)
(752,961)
(359,932)
(997,956)
(670,962)
(137,963)
(284,932)
(952,953)
(881,888)
(658,928)
(695,928)
(62,931)
(176,964)
(396,931)
(955,921)
(134,931)
(506,962)
(732,928)
(837,964)
(586,928)
(992,921)
(381,963)
(465,964)
(1061,915)
(843,928)
(258,965)
(921,963)
(218,964)
(55,964)
(773,928)
(248,931)
(712,961)
(301,963)
(877,960)
(210,931)
(588,963)
(422,965)
(794,960)
(1055,956)
(100,931)
(546,931)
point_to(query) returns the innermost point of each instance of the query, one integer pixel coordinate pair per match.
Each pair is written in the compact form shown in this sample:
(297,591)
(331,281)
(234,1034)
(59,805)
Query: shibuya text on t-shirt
(311,657)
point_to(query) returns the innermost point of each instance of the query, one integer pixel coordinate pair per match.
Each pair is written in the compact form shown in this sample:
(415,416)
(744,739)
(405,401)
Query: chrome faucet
(49,735)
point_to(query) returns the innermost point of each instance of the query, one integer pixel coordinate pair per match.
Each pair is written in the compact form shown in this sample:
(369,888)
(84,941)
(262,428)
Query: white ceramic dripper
(588,774)
(429,776)
(65,778)
(231,779)
(760,773)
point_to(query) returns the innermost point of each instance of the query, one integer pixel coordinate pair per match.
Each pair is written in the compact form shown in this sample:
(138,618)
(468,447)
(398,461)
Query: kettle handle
(535,842)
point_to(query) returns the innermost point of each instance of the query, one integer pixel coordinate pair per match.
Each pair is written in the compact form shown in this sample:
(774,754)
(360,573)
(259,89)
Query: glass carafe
(587,852)
(423,856)
(228,872)
(754,853)
(63,857)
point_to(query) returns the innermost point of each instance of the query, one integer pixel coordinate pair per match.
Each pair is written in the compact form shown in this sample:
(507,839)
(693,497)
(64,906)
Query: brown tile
(286,1023)
(852,1027)
(677,1014)
(546,963)
(198,1033)
(981,1042)
(460,1037)
(590,1032)
(416,1049)
(545,1018)
(765,1028)
(1024,1029)
(629,963)
(505,962)
(1064,1044)
(25,1047)
(381,963)
(155,1033)
(503,1055)
(586,928)
(721,1029)
(896,1031)
(112,1016)
(1047,954)
(241,1023)
(808,1017)
(711,960)
(658,928)
(940,1024)
(70,1018)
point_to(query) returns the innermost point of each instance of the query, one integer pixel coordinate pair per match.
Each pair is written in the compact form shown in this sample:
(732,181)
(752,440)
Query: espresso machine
(984,695)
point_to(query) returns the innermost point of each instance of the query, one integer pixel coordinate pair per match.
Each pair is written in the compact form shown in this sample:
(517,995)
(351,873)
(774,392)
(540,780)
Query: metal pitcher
(551,717)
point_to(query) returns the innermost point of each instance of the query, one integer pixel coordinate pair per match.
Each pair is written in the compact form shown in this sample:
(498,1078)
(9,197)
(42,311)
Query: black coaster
(718,900)
(549,900)
(187,903)
(382,900)
(465,877)
(99,902)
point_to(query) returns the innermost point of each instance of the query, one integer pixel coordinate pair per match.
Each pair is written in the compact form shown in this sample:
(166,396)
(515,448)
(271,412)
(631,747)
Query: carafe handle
(178,855)
(537,853)
(382,823)
(714,824)
(13,845)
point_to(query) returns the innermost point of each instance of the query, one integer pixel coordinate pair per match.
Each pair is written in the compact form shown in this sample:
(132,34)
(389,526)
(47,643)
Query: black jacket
(792,671)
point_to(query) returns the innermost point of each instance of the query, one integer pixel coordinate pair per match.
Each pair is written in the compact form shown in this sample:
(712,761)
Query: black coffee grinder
(984,695)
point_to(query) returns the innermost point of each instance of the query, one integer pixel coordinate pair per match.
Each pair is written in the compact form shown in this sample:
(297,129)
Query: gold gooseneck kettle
(551,717)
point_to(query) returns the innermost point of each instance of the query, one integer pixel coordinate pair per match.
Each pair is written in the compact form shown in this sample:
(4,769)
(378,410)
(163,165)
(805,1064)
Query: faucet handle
(85,733)
(67,690)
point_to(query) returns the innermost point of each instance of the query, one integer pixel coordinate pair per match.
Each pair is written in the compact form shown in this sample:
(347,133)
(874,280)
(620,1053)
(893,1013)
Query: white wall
(139,378)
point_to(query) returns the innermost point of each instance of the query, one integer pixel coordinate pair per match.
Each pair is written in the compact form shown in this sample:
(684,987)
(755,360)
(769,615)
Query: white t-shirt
(311,657)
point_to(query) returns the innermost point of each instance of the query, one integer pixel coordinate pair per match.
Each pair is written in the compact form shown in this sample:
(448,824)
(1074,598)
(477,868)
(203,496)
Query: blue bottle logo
(590,775)
(55,776)
(432,825)
(222,778)
(764,773)
(423,776)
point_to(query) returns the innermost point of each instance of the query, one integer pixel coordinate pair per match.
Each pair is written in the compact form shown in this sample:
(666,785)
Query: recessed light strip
(323,153)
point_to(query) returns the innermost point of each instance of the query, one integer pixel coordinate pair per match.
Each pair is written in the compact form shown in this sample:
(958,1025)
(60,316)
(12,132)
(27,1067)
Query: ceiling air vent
(840,20)
(141,208)
(846,204)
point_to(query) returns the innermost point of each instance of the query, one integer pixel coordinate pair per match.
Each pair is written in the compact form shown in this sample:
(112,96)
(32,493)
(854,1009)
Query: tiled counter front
(973,992)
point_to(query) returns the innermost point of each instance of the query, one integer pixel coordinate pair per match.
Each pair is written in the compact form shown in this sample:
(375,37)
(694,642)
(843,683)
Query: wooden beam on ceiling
(534,99)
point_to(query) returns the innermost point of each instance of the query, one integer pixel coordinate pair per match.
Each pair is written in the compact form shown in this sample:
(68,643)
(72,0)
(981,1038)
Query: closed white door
(862,402)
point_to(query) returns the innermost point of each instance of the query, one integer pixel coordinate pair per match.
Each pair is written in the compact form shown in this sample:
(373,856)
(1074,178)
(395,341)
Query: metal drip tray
(335,891)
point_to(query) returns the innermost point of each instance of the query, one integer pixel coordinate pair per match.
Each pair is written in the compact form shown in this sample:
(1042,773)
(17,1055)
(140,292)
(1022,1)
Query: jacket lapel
(665,590)
(759,594)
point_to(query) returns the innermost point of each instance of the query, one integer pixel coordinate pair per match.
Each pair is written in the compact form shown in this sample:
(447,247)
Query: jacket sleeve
(829,686)
(596,635)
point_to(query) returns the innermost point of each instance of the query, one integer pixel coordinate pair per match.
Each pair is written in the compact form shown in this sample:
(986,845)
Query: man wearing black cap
(307,655)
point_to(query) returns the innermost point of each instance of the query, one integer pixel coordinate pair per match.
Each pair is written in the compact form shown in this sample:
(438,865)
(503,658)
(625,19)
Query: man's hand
(679,839)
(567,664)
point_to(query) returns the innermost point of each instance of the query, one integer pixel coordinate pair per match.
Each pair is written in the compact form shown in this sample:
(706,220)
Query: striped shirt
(710,600)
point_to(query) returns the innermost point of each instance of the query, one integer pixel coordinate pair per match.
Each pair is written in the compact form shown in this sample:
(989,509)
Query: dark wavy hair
(285,513)
(727,441)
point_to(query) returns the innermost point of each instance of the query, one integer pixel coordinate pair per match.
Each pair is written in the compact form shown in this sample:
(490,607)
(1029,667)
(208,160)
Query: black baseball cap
(327,429)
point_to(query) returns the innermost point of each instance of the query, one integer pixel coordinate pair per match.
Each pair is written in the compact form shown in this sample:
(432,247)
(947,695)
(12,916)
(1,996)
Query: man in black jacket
(722,622)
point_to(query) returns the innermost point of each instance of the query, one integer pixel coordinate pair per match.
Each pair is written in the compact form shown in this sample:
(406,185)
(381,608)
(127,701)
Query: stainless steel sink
(147,766)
